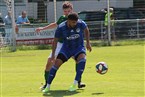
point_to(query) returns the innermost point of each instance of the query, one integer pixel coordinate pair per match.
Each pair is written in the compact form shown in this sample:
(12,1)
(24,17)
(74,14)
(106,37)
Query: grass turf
(22,73)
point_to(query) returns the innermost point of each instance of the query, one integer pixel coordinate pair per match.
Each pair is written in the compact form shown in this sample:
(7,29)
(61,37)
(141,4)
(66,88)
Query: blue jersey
(73,38)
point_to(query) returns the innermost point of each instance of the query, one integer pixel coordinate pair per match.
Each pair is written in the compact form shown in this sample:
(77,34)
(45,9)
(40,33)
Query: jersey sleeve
(84,25)
(61,19)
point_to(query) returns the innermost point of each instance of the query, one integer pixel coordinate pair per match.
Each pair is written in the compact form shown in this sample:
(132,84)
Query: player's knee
(82,60)
(50,62)
(80,56)
(62,57)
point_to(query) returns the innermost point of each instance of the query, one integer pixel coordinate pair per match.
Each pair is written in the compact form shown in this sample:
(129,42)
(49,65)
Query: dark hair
(66,5)
(73,16)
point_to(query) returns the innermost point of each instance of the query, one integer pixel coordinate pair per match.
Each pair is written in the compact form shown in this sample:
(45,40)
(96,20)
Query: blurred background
(128,19)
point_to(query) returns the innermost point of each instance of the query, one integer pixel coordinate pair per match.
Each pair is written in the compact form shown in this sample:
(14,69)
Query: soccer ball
(101,68)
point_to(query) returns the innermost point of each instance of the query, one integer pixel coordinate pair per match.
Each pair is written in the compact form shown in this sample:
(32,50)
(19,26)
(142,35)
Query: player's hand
(52,58)
(38,29)
(89,47)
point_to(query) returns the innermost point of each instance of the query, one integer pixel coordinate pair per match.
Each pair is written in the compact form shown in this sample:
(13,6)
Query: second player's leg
(46,72)
(49,64)
(53,70)
(58,62)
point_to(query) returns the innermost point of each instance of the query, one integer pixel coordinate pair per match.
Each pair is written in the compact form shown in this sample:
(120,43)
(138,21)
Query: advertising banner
(28,36)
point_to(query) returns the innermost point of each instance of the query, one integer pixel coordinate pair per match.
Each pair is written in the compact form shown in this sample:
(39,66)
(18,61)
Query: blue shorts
(67,52)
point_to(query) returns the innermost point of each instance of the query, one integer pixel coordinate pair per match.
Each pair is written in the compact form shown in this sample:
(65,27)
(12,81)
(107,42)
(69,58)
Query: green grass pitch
(22,73)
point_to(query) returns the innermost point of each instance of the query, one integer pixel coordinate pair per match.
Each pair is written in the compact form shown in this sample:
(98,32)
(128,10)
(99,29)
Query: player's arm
(56,37)
(87,35)
(50,26)
(54,45)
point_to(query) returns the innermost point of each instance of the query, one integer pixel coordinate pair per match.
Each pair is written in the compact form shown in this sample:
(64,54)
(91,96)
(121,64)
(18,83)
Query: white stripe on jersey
(62,24)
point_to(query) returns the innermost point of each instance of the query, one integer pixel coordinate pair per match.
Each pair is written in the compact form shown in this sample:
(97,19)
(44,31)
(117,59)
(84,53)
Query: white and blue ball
(101,68)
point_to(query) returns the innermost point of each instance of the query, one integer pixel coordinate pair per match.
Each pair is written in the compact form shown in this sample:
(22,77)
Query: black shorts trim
(79,54)
(62,57)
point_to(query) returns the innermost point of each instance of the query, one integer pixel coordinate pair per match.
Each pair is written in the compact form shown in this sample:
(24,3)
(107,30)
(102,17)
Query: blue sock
(52,73)
(80,68)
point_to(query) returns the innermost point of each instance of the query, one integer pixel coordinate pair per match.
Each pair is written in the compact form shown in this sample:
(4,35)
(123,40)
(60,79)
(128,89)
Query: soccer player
(67,8)
(72,33)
